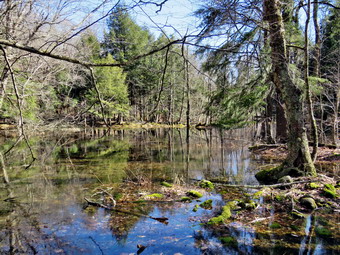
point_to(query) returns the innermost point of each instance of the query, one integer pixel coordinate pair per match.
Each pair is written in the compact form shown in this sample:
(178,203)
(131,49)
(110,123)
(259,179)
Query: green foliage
(234,106)
(112,88)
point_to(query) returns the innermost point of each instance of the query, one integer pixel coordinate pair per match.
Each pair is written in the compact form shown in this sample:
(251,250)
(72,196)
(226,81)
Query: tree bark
(298,150)
(314,129)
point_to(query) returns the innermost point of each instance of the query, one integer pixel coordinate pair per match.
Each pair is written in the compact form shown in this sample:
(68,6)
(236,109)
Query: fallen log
(163,220)
(278,185)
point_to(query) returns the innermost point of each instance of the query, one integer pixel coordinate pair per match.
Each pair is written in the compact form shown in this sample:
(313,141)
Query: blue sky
(175,13)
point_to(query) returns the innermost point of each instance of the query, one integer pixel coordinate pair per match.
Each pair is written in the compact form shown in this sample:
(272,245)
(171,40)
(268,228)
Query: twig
(94,241)
(163,220)
(21,119)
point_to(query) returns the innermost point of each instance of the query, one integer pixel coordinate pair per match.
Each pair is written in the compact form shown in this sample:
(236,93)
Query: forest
(270,64)
(266,66)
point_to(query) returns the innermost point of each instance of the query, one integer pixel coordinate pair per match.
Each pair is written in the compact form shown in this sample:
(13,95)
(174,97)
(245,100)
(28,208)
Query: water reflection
(42,208)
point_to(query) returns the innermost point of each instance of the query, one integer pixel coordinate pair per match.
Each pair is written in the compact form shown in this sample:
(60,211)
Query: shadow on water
(42,209)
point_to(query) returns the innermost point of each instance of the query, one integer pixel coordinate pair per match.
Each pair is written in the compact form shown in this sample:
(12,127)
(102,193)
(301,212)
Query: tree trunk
(335,129)
(314,129)
(281,121)
(298,150)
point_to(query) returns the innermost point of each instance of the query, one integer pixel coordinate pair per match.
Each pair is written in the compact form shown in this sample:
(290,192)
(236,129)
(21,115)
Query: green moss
(207,204)
(226,214)
(298,215)
(247,204)
(258,194)
(330,191)
(229,241)
(195,208)
(206,184)
(308,202)
(142,201)
(295,228)
(155,195)
(322,231)
(194,193)
(186,199)
(314,185)
(275,225)
(279,197)
(166,184)
(272,175)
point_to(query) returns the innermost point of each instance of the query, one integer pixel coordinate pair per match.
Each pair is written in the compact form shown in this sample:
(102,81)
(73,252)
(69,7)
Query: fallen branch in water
(163,220)
(278,185)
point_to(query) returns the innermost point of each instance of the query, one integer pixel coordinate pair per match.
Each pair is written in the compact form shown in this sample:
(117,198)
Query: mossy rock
(229,241)
(155,195)
(195,208)
(272,175)
(330,191)
(285,179)
(248,205)
(275,225)
(322,231)
(308,202)
(207,204)
(194,193)
(226,214)
(166,184)
(186,199)
(205,184)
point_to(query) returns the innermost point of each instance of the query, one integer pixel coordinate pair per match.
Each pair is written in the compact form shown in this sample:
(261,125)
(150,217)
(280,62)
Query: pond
(43,210)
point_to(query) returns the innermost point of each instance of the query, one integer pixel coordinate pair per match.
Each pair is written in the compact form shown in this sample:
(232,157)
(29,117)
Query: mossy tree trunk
(298,155)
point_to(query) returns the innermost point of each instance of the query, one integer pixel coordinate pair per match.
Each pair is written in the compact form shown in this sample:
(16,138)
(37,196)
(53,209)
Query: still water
(43,210)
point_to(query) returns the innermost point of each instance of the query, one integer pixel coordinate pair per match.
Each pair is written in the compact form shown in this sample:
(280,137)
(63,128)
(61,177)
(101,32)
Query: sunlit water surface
(43,210)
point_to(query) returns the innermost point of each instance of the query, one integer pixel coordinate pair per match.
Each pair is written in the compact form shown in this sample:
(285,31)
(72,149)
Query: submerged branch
(163,220)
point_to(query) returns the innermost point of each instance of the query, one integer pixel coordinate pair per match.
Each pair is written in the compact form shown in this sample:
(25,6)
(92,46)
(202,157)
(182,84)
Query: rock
(206,184)
(308,203)
(285,179)
(195,208)
(186,199)
(272,175)
(194,193)
(249,205)
(207,204)
(226,214)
